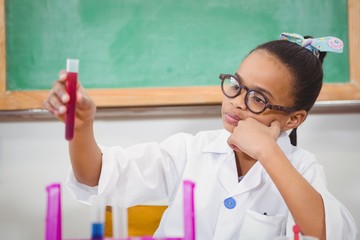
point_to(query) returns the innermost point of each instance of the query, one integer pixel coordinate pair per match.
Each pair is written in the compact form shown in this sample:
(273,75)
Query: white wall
(33,154)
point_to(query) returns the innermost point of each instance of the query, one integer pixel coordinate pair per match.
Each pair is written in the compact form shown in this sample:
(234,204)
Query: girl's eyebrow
(260,89)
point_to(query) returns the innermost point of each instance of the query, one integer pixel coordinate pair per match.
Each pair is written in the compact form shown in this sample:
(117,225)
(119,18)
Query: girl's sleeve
(139,174)
(339,222)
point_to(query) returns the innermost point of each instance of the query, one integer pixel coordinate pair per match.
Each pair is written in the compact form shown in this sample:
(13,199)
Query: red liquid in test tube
(72,68)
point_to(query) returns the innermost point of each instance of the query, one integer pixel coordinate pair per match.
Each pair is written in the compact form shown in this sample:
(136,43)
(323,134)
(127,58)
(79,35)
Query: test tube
(120,219)
(189,210)
(53,212)
(72,68)
(97,218)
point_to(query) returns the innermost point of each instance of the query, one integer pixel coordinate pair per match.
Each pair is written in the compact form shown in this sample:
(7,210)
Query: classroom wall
(34,154)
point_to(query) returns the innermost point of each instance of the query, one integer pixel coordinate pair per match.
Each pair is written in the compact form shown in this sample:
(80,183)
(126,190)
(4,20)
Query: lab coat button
(230,203)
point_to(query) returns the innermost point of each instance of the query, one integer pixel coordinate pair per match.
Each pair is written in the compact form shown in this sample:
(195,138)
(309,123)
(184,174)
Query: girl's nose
(239,101)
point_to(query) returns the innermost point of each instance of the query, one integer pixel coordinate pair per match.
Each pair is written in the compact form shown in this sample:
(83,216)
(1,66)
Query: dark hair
(306,70)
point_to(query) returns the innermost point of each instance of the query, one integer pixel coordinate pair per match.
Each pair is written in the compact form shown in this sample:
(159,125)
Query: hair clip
(315,45)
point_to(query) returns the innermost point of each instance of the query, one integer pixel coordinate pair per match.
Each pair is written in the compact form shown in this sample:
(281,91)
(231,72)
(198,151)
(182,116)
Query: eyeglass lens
(255,101)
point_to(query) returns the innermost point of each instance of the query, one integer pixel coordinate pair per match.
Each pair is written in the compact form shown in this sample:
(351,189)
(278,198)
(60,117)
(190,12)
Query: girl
(251,182)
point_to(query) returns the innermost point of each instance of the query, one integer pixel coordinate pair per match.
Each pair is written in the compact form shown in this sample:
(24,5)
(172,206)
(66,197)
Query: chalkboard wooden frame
(177,96)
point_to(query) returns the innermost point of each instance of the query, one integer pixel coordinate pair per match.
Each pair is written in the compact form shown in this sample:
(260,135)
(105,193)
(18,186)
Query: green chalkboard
(157,43)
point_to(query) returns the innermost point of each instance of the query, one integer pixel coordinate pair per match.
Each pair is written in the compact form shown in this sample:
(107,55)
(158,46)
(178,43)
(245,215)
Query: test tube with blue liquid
(97,218)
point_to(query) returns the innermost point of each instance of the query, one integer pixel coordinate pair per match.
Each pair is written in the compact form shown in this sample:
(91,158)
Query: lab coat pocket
(258,226)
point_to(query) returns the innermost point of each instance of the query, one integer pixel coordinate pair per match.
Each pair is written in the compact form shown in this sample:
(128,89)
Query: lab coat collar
(229,179)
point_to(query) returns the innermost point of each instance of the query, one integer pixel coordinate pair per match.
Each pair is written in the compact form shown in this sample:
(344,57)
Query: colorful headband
(315,45)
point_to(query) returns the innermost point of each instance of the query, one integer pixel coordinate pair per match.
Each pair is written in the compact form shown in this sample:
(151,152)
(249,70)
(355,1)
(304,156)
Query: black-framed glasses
(255,101)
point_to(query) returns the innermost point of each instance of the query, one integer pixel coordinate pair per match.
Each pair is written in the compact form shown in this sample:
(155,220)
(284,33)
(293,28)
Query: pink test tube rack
(189,210)
(53,212)
(53,216)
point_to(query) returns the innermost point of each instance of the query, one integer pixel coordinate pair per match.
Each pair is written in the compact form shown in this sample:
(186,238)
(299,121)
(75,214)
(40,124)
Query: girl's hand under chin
(253,137)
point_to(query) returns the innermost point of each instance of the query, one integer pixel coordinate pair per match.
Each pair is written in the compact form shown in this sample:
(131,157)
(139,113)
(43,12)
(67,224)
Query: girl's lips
(233,119)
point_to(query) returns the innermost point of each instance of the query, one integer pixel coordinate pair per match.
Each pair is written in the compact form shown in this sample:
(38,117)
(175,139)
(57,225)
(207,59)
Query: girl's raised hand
(252,137)
(58,97)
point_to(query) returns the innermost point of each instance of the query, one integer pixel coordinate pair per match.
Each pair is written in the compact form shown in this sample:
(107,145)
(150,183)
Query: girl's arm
(85,154)
(304,202)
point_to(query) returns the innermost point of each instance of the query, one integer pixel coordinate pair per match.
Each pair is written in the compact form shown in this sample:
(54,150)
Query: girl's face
(262,72)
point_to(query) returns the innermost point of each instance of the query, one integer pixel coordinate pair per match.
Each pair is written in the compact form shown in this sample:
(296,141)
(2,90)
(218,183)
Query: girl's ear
(295,119)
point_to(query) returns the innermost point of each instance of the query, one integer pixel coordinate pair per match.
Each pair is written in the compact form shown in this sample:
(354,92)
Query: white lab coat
(153,171)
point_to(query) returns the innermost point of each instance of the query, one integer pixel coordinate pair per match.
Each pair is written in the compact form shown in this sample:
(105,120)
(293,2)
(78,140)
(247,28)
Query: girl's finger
(59,90)
(275,124)
(56,104)
(62,76)
(275,128)
(49,107)
(54,110)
